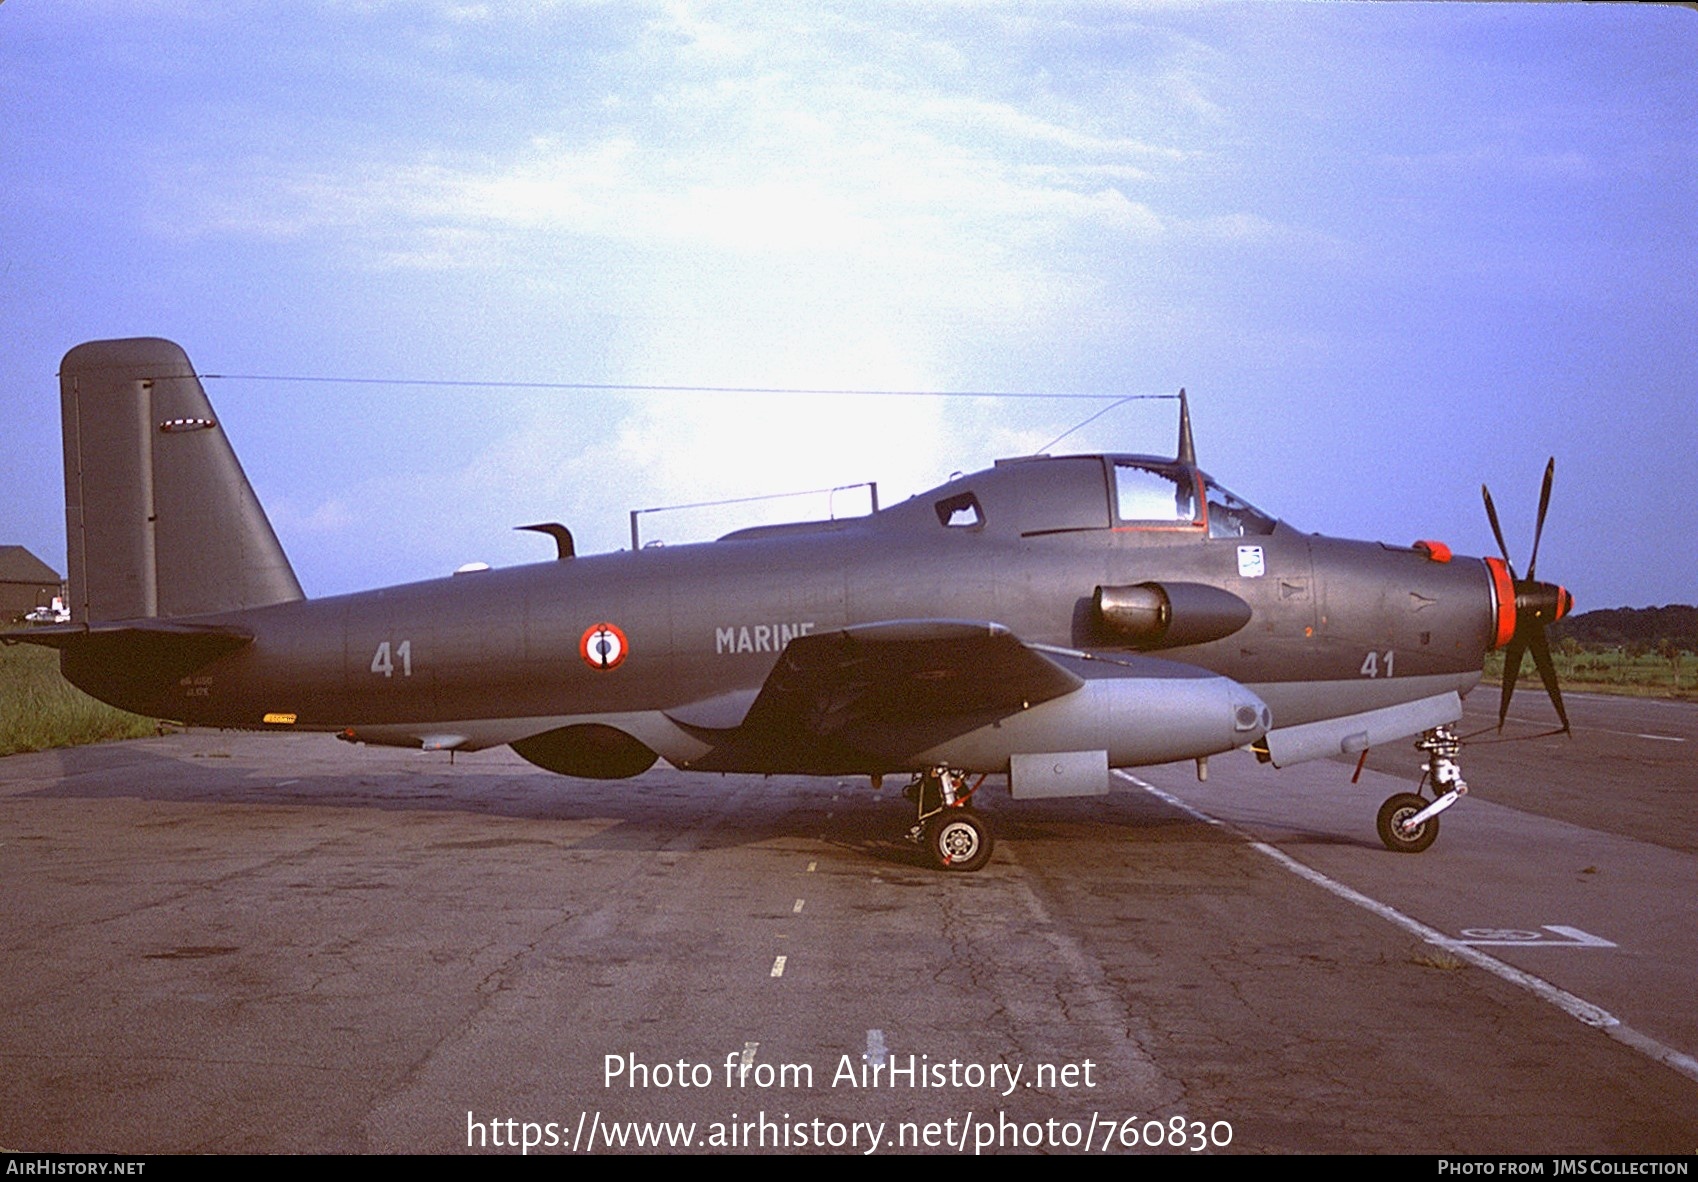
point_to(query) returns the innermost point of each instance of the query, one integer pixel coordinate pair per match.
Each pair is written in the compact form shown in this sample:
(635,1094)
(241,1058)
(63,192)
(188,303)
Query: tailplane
(160,520)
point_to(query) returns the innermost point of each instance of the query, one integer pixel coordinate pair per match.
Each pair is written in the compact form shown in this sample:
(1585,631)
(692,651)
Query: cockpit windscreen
(1230,516)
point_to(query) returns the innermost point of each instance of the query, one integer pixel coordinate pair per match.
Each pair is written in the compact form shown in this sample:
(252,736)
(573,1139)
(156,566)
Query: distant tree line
(1635,629)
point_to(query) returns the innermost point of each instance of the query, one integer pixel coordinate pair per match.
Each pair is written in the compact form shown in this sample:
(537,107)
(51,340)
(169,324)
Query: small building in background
(26,583)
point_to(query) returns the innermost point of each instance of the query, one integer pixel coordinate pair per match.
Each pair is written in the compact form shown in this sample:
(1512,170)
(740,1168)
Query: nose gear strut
(1408,823)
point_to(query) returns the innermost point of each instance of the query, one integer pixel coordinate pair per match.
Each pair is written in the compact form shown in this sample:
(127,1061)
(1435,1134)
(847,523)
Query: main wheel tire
(959,840)
(1394,812)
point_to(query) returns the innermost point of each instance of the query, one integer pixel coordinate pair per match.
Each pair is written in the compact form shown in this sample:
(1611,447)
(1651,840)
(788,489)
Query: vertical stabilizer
(159,518)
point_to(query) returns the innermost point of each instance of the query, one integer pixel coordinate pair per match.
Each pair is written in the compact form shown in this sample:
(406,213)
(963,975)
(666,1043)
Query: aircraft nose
(1543,602)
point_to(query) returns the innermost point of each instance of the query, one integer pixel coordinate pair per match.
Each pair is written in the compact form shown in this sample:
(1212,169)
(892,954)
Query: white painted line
(1579,937)
(778,965)
(1575,1007)
(749,1049)
(1625,699)
(1499,936)
(876,1052)
(811,866)
(1522,938)
(1602,730)
(797,909)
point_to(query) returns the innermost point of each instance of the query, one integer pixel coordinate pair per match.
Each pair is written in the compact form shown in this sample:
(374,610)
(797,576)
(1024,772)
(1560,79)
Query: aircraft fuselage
(487,657)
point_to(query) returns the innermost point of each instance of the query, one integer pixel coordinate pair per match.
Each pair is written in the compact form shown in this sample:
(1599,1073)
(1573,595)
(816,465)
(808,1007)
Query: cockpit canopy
(1038,495)
(1043,495)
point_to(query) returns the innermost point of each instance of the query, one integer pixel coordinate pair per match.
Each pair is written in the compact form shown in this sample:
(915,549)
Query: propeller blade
(1511,670)
(1536,605)
(1497,531)
(1547,672)
(1539,524)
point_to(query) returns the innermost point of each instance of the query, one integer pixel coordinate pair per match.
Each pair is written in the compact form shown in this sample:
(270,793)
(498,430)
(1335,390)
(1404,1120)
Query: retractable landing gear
(955,836)
(1408,822)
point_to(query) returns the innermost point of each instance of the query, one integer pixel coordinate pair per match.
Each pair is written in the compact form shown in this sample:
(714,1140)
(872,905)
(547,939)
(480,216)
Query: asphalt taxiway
(221,942)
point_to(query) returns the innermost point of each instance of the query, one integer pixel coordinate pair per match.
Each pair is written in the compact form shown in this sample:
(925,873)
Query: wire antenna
(1087,422)
(654,388)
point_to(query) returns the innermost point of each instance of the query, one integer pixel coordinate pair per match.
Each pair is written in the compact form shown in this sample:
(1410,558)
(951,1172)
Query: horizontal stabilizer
(134,662)
(218,638)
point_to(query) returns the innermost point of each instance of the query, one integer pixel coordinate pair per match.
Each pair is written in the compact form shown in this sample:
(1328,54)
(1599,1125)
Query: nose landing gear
(955,837)
(1408,823)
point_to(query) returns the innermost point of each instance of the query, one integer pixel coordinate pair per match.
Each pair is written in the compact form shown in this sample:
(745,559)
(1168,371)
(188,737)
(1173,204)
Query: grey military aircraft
(1004,622)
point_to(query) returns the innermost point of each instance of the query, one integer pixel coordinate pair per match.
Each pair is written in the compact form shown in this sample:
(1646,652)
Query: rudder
(160,520)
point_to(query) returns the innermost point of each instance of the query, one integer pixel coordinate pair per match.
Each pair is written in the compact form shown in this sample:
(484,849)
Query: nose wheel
(1398,829)
(1408,822)
(952,834)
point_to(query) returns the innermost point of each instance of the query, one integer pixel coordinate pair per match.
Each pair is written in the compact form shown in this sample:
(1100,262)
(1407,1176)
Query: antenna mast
(1187,450)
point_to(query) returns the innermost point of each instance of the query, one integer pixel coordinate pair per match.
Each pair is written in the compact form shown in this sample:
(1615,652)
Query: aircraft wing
(873,694)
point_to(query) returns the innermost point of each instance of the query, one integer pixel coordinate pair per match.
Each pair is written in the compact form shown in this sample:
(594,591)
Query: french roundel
(604,646)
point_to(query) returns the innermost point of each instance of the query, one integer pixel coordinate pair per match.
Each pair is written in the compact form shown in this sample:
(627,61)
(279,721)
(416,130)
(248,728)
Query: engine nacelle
(1152,616)
(590,750)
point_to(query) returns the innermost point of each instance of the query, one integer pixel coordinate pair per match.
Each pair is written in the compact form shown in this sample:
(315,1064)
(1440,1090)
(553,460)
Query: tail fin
(159,518)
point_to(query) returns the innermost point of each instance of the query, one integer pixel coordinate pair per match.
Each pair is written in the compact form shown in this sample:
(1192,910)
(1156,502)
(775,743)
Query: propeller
(1534,607)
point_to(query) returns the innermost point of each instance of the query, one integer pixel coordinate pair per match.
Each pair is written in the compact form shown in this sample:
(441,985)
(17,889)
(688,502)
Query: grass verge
(1611,671)
(40,709)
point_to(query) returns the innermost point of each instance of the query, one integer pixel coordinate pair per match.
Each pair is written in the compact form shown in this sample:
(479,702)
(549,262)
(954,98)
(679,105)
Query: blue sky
(1392,251)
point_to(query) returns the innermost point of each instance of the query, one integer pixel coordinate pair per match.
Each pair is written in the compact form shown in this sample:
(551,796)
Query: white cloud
(744,134)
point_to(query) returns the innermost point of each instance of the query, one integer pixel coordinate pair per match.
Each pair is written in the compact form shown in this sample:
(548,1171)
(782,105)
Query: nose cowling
(1544,602)
(1525,603)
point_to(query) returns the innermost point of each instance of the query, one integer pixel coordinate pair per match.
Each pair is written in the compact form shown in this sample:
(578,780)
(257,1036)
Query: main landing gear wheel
(1395,814)
(954,837)
(958,840)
